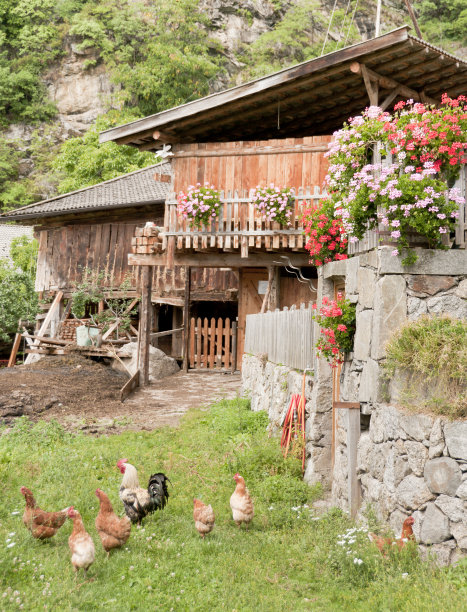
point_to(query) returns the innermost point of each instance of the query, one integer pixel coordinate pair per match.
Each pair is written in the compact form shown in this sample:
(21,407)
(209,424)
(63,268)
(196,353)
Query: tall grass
(289,559)
(430,357)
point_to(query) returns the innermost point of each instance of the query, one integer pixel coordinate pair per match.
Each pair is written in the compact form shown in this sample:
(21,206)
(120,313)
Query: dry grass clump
(429,358)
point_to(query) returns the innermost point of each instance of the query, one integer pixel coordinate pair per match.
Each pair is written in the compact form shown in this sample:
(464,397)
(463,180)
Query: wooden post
(186,318)
(353,435)
(274,293)
(14,351)
(145,322)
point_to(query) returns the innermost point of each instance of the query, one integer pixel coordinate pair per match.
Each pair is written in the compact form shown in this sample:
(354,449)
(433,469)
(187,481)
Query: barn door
(253,284)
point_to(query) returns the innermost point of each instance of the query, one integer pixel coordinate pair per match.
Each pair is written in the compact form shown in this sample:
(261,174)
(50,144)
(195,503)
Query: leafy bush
(433,351)
(18,299)
(83,161)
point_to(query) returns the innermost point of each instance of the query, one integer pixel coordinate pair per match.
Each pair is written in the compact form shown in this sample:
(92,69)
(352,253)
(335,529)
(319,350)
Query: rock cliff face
(81,92)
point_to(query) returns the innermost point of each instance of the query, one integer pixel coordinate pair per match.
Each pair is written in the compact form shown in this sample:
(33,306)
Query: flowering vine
(398,170)
(337,321)
(326,239)
(274,203)
(199,205)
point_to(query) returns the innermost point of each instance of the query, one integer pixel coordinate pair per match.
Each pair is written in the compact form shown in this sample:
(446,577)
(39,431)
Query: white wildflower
(357,561)
(10,545)
(404,575)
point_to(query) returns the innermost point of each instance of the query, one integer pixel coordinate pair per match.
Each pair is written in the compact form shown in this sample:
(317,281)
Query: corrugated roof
(146,186)
(7,233)
(311,98)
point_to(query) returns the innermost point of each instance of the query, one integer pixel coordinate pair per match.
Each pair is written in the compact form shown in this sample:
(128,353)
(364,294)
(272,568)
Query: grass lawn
(289,559)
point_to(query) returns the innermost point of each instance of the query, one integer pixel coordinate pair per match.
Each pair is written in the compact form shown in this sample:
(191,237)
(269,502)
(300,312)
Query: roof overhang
(311,98)
(34,216)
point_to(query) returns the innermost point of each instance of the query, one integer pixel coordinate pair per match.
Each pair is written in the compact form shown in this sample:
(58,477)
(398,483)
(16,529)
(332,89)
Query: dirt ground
(83,394)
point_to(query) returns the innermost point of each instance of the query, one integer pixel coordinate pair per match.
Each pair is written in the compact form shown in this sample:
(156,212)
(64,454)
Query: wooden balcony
(238,228)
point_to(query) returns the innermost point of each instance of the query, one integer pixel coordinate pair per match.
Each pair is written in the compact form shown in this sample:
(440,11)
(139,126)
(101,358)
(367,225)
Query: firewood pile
(147,240)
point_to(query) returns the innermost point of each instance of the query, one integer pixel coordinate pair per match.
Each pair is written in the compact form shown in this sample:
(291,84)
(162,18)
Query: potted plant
(398,170)
(199,205)
(274,203)
(87,293)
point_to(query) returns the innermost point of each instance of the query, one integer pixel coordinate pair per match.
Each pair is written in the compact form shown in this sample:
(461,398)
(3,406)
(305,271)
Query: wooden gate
(213,343)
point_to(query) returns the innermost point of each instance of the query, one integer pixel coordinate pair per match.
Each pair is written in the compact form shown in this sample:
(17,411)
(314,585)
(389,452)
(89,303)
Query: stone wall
(386,295)
(407,464)
(411,465)
(270,387)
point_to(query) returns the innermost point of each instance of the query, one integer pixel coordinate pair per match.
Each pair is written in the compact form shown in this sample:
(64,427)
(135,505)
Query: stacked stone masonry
(407,464)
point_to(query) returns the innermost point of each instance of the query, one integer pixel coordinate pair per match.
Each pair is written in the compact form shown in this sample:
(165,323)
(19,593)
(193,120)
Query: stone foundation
(411,465)
(270,387)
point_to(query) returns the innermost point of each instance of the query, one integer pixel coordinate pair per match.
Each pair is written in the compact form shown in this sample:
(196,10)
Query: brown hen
(40,523)
(241,503)
(203,516)
(113,531)
(384,544)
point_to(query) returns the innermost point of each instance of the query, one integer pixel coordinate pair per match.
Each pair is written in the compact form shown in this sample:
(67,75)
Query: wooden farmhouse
(275,129)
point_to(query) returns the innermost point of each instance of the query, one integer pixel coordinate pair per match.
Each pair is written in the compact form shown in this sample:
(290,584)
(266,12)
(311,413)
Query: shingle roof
(7,233)
(146,186)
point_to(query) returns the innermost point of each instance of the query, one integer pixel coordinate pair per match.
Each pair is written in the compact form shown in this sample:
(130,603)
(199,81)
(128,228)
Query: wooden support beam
(43,340)
(372,87)
(129,386)
(145,321)
(387,82)
(253,151)
(353,436)
(389,98)
(219,260)
(116,323)
(45,325)
(186,318)
(14,351)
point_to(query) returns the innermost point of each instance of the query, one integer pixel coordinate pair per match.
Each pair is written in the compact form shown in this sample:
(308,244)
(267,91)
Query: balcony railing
(239,226)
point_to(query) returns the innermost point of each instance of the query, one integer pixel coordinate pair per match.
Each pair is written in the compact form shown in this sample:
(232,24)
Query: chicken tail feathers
(158,491)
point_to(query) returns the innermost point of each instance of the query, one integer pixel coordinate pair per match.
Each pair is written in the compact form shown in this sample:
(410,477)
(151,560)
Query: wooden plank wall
(65,252)
(244,172)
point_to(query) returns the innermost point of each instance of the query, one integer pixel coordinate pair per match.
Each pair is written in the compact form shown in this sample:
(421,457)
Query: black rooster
(139,502)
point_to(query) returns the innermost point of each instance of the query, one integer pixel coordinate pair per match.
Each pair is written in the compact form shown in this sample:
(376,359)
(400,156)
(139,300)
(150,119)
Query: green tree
(160,54)
(13,193)
(83,161)
(296,38)
(443,22)
(18,299)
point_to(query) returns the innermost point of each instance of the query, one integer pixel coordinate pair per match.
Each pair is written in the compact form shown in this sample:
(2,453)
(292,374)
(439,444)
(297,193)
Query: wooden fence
(285,336)
(213,344)
(239,225)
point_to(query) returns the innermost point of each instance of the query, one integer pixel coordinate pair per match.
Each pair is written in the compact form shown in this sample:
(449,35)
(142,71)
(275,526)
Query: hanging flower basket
(397,170)
(199,205)
(275,203)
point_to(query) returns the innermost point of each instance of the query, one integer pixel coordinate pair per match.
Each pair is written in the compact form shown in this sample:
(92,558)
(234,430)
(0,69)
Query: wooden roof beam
(158,138)
(384,82)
